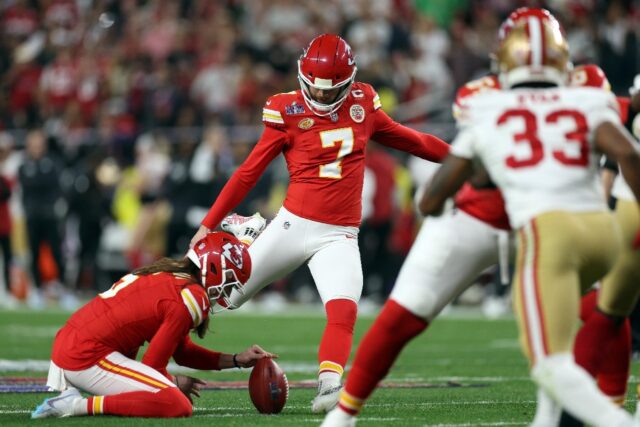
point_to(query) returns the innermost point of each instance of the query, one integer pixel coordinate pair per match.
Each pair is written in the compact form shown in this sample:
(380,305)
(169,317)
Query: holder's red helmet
(224,264)
(327,63)
(589,75)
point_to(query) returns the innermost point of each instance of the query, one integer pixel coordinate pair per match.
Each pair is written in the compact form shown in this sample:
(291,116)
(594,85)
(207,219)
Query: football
(268,387)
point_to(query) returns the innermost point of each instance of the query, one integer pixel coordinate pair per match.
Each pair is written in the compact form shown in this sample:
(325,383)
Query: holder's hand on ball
(251,356)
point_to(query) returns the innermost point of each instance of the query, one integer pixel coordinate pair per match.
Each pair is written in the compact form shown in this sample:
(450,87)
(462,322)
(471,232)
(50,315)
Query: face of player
(324,96)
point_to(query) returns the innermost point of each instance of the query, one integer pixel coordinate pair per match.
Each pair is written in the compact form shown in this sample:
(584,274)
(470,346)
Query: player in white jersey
(621,286)
(539,142)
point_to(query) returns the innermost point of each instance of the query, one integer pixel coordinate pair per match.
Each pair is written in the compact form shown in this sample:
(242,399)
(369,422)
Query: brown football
(268,387)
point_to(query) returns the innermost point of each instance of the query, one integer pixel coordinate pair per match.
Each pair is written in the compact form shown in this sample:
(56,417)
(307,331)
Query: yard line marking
(23,365)
(481,424)
(26,332)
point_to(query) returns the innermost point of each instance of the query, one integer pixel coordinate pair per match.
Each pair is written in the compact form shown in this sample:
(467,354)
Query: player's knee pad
(180,405)
(342,313)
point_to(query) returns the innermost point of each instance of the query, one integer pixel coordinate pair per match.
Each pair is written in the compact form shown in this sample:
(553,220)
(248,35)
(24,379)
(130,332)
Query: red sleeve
(191,355)
(392,134)
(175,326)
(245,177)
(624,103)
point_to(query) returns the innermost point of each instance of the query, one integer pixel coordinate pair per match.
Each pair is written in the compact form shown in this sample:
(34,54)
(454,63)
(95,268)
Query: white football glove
(245,228)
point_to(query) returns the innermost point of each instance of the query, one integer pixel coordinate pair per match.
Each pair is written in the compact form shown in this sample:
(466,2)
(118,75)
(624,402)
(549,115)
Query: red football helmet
(225,265)
(589,75)
(327,63)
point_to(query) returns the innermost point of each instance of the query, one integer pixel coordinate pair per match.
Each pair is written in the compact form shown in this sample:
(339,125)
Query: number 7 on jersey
(329,138)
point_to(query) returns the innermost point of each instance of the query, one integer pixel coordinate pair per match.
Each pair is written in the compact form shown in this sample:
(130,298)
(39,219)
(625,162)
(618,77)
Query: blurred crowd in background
(121,120)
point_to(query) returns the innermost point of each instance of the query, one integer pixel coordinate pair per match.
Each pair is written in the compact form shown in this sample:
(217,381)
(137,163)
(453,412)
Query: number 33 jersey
(537,145)
(324,155)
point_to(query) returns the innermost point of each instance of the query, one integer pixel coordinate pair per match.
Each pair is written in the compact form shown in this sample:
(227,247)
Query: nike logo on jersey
(268,102)
(204,305)
(351,61)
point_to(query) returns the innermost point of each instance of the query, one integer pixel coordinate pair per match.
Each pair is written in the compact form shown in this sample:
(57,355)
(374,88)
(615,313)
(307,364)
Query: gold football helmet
(532,49)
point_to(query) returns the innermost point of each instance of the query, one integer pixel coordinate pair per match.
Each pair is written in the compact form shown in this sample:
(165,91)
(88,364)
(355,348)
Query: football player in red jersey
(96,349)
(322,130)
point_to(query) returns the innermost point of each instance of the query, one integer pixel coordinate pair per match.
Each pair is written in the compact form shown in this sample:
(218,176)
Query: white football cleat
(326,399)
(338,418)
(245,228)
(59,406)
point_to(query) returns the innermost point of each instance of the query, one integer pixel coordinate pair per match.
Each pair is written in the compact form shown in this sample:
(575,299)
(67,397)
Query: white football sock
(547,411)
(80,407)
(573,388)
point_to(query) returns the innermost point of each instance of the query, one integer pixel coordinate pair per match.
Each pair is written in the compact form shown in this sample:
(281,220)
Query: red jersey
(487,205)
(5,214)
(324,155)
(383,166)
(159,308)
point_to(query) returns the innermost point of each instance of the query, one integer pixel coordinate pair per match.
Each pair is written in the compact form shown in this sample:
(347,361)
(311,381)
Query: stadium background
(149,106)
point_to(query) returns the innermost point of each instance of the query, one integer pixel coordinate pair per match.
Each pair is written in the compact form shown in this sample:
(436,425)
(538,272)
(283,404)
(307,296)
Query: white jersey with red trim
(537,145)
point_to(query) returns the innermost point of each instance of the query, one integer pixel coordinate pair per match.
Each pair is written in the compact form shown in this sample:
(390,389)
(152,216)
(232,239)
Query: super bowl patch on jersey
(357,113)
(294,108)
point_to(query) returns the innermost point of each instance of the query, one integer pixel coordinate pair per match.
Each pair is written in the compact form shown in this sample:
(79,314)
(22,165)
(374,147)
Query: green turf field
(465,371)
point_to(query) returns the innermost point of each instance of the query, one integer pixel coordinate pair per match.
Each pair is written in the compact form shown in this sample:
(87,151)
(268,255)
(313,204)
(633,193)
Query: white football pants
(114,374)
(449,252)
(331,252)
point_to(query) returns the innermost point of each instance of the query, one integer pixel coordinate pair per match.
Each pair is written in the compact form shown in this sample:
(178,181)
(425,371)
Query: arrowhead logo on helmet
(225,266)
(233,253)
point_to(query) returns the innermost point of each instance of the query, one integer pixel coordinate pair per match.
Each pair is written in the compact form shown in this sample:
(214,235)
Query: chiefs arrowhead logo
(234,254)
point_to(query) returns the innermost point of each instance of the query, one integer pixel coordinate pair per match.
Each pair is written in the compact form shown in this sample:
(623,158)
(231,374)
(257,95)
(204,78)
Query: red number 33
(530,136)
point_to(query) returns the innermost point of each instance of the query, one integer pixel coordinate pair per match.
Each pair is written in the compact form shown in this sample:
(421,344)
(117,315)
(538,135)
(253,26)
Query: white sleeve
(606,111)
(465,144)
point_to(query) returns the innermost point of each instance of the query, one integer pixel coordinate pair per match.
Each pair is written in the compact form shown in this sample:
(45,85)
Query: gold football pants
(621,286)
(560,255)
